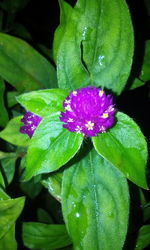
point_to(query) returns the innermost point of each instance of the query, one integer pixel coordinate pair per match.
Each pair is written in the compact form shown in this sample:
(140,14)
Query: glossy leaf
(23,67)
(12,135)
(43,102)
(125,147)
(96,45)
(95,203)
(43,236)
(143,239)
(53,184)
(10,209)
(51,147)
(3,111)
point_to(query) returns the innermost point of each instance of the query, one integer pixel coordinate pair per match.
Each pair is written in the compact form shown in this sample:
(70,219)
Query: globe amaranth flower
(88,111)
(31,121)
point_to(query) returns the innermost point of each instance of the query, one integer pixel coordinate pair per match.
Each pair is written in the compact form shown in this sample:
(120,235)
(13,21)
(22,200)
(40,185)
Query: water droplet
(84,33)
(77,215)
(100,60)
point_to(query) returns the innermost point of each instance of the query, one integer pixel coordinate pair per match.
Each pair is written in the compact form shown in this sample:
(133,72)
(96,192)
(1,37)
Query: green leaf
(96,45)
(23,67)
(12,135)
(8,165)
(125,147)
(2,183)
(51,147)
(147,4)
(44,216)
(3,111)
(4,155)
(20,31)
(3,195)
(53,184)
(11,98)
(145,72)
(95,203)
(8,241)
(10,209)
(43,236)
(32,187)
(146,211)
(143,239)
(43,102)
(13,6)
(137,83)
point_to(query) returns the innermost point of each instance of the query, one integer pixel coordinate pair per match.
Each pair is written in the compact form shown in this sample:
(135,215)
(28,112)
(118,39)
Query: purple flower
(31,121)
(88,111)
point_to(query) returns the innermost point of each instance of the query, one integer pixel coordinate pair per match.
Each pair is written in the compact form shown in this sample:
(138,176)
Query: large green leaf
(3,111)
(125,147)
(8,241)
(24,67)
(96,44)
(43,102)
(143,239)
(43,236)
(95,203)
(11,133)
(51,147)
(10,209)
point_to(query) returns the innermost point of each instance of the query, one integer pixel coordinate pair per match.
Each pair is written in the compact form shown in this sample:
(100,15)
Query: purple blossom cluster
(31,121)
(88,111)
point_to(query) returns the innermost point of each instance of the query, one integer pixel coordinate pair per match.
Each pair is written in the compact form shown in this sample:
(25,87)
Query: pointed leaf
(43,102)
(23,67)
(95,203)
(125,147)
(11,133)
(51,147)
(43,236)
(96,45)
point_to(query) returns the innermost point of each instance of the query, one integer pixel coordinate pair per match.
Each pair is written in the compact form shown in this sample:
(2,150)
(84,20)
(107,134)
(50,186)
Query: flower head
(31,121)
(88,111)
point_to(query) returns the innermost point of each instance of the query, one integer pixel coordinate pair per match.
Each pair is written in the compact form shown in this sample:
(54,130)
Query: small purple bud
(88,111)
(31,121)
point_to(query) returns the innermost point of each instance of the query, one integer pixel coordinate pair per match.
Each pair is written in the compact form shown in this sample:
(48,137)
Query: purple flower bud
(31,121)
(88,111)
